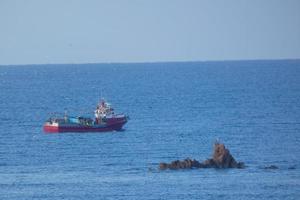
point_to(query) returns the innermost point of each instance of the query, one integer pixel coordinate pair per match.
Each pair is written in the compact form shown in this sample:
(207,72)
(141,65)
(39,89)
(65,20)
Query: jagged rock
(209,163)
(221,159)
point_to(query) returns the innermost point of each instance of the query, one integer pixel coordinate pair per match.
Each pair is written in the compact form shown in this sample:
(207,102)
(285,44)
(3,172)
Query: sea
(177,110)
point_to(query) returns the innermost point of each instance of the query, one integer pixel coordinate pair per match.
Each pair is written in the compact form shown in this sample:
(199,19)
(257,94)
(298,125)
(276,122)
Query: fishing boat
(105,120)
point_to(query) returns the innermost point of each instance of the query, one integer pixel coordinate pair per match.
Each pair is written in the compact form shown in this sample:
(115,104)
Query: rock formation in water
(271,167)
(184,164)
(221,159)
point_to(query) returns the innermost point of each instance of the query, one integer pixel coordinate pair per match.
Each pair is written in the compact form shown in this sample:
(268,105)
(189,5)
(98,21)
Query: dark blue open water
(177,110)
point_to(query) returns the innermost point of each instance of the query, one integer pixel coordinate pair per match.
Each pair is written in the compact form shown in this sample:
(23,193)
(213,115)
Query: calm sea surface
(177,110)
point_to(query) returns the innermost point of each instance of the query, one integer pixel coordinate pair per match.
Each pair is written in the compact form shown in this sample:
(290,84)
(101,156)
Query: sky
(90,31)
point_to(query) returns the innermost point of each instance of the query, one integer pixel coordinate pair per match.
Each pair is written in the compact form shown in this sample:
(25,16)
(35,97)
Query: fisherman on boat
(103,109)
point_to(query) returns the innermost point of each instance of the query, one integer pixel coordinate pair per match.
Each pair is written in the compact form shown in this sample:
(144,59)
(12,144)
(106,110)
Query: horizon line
(155,62)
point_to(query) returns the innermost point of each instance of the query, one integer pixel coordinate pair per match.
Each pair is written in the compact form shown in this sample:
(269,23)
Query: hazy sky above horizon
(89,31)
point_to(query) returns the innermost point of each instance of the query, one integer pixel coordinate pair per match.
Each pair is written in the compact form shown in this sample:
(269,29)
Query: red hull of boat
(112,126)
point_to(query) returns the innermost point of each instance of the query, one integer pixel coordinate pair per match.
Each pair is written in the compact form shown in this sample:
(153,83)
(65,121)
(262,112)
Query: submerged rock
(271,167)
(292,167)
(221,159)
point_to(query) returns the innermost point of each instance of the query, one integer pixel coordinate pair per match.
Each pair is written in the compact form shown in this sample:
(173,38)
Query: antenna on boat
(65,115)
(65,112)
(100,95)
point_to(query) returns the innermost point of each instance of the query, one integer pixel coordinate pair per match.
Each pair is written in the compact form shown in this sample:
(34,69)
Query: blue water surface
(177,110)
